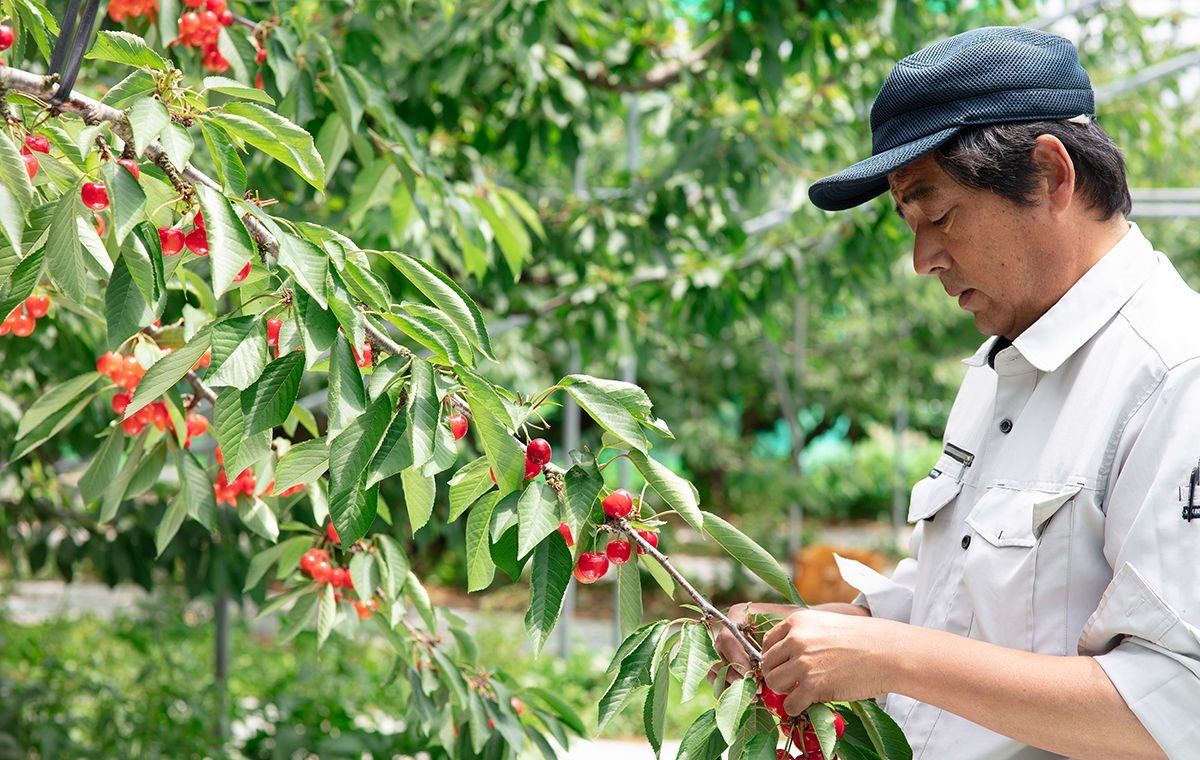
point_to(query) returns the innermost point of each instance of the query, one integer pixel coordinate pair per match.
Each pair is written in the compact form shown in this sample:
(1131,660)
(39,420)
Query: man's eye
(940,220)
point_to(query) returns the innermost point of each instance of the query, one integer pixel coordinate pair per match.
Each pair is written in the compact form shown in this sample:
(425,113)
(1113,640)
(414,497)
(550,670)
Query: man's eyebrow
(920,192)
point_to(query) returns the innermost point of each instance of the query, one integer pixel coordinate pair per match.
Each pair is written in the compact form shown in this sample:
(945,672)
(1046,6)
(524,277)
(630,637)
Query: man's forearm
(1066,705)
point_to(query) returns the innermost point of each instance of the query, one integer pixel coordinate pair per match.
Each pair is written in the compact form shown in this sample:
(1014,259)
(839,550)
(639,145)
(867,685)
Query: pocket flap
(931,494)
(1007,517)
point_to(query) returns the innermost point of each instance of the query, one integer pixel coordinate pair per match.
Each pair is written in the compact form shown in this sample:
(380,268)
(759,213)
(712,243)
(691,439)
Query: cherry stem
(709,611)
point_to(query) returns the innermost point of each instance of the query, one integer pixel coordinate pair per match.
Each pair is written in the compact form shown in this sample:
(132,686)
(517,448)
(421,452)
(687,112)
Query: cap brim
(867,179)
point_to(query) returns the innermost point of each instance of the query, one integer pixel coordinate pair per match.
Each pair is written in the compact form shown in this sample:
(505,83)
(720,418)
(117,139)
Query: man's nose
(929,254)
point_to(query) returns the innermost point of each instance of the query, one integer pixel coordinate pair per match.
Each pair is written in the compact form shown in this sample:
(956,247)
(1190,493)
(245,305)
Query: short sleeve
(888,598)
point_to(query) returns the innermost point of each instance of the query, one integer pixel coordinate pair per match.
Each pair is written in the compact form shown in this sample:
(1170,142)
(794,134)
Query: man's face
(987,251)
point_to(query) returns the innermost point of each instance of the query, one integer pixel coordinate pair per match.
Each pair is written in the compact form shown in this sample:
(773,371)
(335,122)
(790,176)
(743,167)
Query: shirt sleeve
(889,598)
(1145,633)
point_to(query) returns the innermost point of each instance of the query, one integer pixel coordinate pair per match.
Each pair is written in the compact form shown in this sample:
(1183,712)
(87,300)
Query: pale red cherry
(774,702)
(31,164)
(23,325)
(94,195)
(197,425)
(538,452)
(532,470)
(197,241)
(37,306)
(839,725)
(649,537)
(260,56)
(363,610)
(273,326)
(517,705)
(226,19)
(458,425)
(337,579)
(133,426)
(619,503)
(171,239)
(243,274)
(331,533)
(593,565)
(120,403)
(322,571)
(306,562)
(565,530)
(38,143)
(618,552)
(132,166)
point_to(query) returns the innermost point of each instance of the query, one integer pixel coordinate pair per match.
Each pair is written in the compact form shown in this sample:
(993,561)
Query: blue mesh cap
(985,76)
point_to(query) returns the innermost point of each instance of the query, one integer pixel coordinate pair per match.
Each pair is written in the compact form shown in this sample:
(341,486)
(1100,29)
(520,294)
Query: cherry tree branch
(658,78)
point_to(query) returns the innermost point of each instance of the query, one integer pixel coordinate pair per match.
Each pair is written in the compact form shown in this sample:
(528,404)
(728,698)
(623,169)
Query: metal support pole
(223,635)
(899,486)
(570,442)
(624,476)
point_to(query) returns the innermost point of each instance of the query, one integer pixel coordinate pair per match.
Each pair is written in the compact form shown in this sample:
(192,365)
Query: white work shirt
(1054,520)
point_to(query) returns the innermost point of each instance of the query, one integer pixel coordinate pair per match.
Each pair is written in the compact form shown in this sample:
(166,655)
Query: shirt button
(966,541)
(1005,425)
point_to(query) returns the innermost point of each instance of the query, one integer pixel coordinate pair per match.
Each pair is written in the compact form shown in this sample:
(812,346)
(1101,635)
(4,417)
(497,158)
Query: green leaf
(822,719)
(261,562)
(123,47)
(148,471)
(760,746)
(509,232)
(886,737)
(468,484)
(140,84)
(148,118)
(276,603)
(347,397)
(394,560)
(446,295)
(178,145)
(394,455)
(432,335)
(127,199)
(103,467)
(302,612)
(307,263)
(460,345)
(654,711)
(327,613)
(492,424)
(420,600)
(695,658)
(524,210)
(169,525)
(237,89)
(349,455)
(169,370)
(196,489)
(258,517)
(239,352)
(581,486)
(679,494)
(365,285)
(562,708)
(238,449)
(422,412)
(229,164)
(537,511)
(54,400)
(15,178)
(480,567)
(504,548)
(732,706)
(303,463)
(62,254)
(606,409)
(364,573)
(547,586)
(268,402)
(55,423)
(702,741)
(419,491)
(372,187)
(634,672)
(275,136)
(754,557)
(23,281)
(477,720)
(229,244)
(115,492)
(629,596)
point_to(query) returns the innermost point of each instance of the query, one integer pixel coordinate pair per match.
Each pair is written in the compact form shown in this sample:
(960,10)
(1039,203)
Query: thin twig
(709,611)
(201,389)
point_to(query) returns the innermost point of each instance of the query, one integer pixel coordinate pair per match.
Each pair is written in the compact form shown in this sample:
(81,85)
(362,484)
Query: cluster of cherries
(93,194)
(119,10)
(591,566)
(804,739)
(316,565)
(227,491)
(33,144)
(23,319)
(201,26)
(125,371)
(537,453)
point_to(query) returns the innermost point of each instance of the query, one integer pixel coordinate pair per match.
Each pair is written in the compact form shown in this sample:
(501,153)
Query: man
(1052,604)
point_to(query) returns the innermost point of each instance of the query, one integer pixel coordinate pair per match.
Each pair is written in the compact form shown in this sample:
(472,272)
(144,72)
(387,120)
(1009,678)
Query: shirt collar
(1086,307)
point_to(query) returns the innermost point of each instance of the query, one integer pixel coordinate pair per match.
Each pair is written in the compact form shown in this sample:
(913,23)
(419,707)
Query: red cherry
(99,225)
(349,581)
(774,702)
(37,306)
(6,36)
(532,470)
(216,6)
(538,452)
(649,537)
(781,754)
(260,56)
(197,425)
(133,426)
(321,571)
(808,741)
(363,610)
(38,143)
(205,360)
(225,18)
(208,20)
(132,166)
(273,326)
(458,425)
(593,565)
(579,576)
(243,274)
(338,578)
(194,3)
(131,366)
(517,705)
(331,533)
(618,552)
(220,459)
(108,364)
(31,164)
(171,239)
(120,403)
(839,725)
(565,530)
(258,82)
(94,195)
(364,358)
(307,561)
(493,475)
(22,325)
(197,241)
(619,503)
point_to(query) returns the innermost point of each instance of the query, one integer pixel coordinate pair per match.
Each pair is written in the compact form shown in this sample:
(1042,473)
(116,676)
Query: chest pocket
(937,490)
(1009,518)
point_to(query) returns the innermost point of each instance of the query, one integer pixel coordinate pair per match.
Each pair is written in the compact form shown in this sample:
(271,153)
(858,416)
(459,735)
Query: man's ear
(1058,171)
